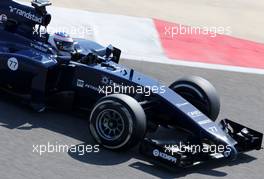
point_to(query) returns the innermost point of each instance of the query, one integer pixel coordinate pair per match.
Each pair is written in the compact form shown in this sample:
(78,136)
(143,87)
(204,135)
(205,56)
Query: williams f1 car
(123,104)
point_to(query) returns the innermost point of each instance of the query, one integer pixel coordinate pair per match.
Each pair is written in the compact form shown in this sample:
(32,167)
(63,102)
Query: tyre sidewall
(133,116)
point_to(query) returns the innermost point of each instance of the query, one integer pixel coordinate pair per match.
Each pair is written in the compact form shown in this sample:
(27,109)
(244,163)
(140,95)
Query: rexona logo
(165,156)
(25,14)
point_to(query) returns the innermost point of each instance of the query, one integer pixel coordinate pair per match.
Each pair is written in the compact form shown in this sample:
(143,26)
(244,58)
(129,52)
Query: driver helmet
(62,42)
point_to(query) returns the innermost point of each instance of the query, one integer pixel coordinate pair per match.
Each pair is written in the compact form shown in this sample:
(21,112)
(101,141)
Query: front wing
(161,152)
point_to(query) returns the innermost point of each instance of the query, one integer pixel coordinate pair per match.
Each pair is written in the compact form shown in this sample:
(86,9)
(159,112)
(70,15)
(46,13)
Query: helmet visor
(64,46)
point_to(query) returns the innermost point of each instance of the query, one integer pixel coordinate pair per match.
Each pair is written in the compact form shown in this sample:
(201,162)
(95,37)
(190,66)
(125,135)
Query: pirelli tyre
(200,93)
(118,122)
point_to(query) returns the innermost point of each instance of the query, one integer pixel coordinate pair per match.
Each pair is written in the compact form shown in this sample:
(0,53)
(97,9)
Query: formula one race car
(124,105)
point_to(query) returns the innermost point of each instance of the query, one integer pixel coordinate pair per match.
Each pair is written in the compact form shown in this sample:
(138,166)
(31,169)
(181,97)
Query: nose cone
(230,153)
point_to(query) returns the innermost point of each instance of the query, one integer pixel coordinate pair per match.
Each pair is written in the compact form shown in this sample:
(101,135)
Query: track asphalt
(242,97)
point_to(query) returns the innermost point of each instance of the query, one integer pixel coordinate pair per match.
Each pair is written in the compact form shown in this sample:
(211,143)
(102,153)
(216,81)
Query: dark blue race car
(54,70)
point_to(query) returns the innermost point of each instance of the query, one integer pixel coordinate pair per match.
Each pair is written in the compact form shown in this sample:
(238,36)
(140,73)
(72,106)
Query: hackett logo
(25,14)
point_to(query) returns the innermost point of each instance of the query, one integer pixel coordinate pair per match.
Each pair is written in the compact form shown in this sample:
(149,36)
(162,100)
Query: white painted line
(196,64)
(135,36)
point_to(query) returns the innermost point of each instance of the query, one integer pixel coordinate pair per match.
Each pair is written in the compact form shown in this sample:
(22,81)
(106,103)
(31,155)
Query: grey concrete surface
(242,98)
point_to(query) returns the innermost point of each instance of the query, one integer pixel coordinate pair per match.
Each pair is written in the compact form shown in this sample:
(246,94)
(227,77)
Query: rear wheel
(118,122)
(200,93)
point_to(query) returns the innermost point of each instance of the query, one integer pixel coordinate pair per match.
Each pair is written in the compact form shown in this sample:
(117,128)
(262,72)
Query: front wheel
(200,93)
(118,122)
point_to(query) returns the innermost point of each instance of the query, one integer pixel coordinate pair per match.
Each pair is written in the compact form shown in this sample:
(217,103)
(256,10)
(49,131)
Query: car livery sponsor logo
(213,129)
(80,83)
(182,104)
(92,87)
(26,15)
(206,121)
(12,9)
(157,153)
(12,63)
(3,18)
(195,113)
(105,80)
(38,47)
